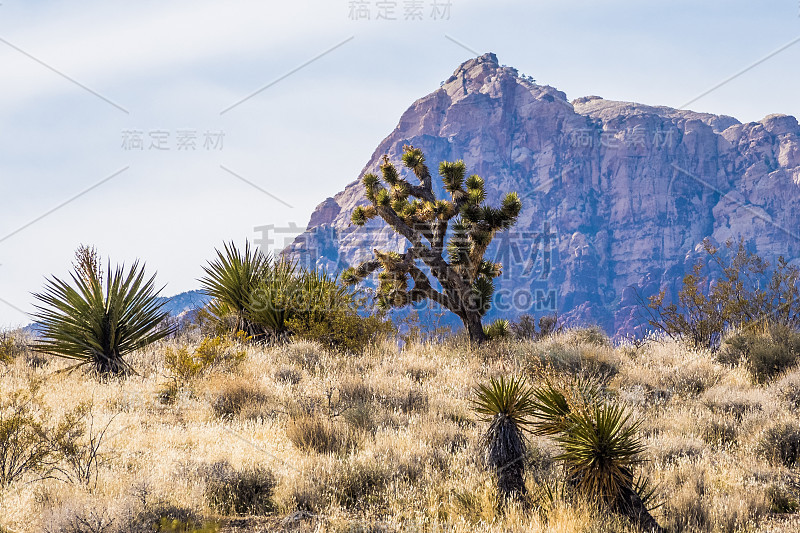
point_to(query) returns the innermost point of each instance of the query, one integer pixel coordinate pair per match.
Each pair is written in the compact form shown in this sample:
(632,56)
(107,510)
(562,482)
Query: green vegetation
(748,295)
(97,326)
(507,405)
(466,277)
(218,350)
(598,441)
(274,300)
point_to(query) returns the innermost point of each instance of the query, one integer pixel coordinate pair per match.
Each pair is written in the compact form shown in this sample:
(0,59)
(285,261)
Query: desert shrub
(76,441)
(80,520)
(237,398)
(789,389)
(592,335)
(212,351)
(764,354)
(415,400)
(359,484)
(420,373)
(11,348)
(273,299)
(361,417)
(166,517)
(719,431)
(780,444)
(313,433)
(746,292)
(289,375)
(242,492)
(340,329)
(355,391)
(524,328)
(174,525)
(781,500)
(24,442)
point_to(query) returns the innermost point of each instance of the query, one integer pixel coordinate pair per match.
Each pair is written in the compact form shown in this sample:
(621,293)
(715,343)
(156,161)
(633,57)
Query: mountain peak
(615,194)
(477,69)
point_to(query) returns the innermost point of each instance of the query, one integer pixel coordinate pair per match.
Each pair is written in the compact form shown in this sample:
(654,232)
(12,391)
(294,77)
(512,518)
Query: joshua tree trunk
(472,322)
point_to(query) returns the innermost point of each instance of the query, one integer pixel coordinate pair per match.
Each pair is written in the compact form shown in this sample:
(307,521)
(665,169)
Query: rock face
(616,196)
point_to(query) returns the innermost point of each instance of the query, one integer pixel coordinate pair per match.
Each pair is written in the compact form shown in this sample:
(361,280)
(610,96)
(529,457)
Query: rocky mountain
(617,196)
(184,302)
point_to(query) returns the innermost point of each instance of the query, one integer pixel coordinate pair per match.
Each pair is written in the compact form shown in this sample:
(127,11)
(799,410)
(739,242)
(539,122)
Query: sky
(158,130)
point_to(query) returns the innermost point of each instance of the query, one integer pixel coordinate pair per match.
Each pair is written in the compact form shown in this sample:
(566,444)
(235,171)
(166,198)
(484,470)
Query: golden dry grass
(386,441)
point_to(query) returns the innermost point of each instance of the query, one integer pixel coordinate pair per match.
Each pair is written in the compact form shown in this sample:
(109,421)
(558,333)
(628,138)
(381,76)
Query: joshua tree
(465,278)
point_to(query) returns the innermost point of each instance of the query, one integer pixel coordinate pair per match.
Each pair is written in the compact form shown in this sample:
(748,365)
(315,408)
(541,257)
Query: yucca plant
(499,329)
(508,406)
(272,300)
(231,280)
(99,324)
(599,447)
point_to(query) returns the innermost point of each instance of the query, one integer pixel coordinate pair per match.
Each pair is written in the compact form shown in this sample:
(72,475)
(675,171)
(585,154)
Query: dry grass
(386,441)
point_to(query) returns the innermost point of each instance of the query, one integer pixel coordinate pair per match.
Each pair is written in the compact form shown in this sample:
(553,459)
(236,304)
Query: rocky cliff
(616,196)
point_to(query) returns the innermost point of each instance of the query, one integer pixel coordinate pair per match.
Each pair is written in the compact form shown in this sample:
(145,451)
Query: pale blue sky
(175,66)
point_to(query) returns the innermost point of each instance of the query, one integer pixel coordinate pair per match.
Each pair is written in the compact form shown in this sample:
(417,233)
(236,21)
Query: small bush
(525,327)
(241,492)
(789,389)
(359,484)
(781,500)
(780,444)
(289,375)
(764,354)
(310,432)
(746,290)
(361,417)
(720,431)
(415,400)
(213,351)
(237,398)
(593,335)
(9,350)
(340,329)
(24,442)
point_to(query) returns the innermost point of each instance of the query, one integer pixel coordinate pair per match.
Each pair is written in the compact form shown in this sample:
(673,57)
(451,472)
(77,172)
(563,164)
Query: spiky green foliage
(413,211)
(98,326)
(499,329)
(600,446)
(600,449)
(507,405)
(231,280)
(273,297)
